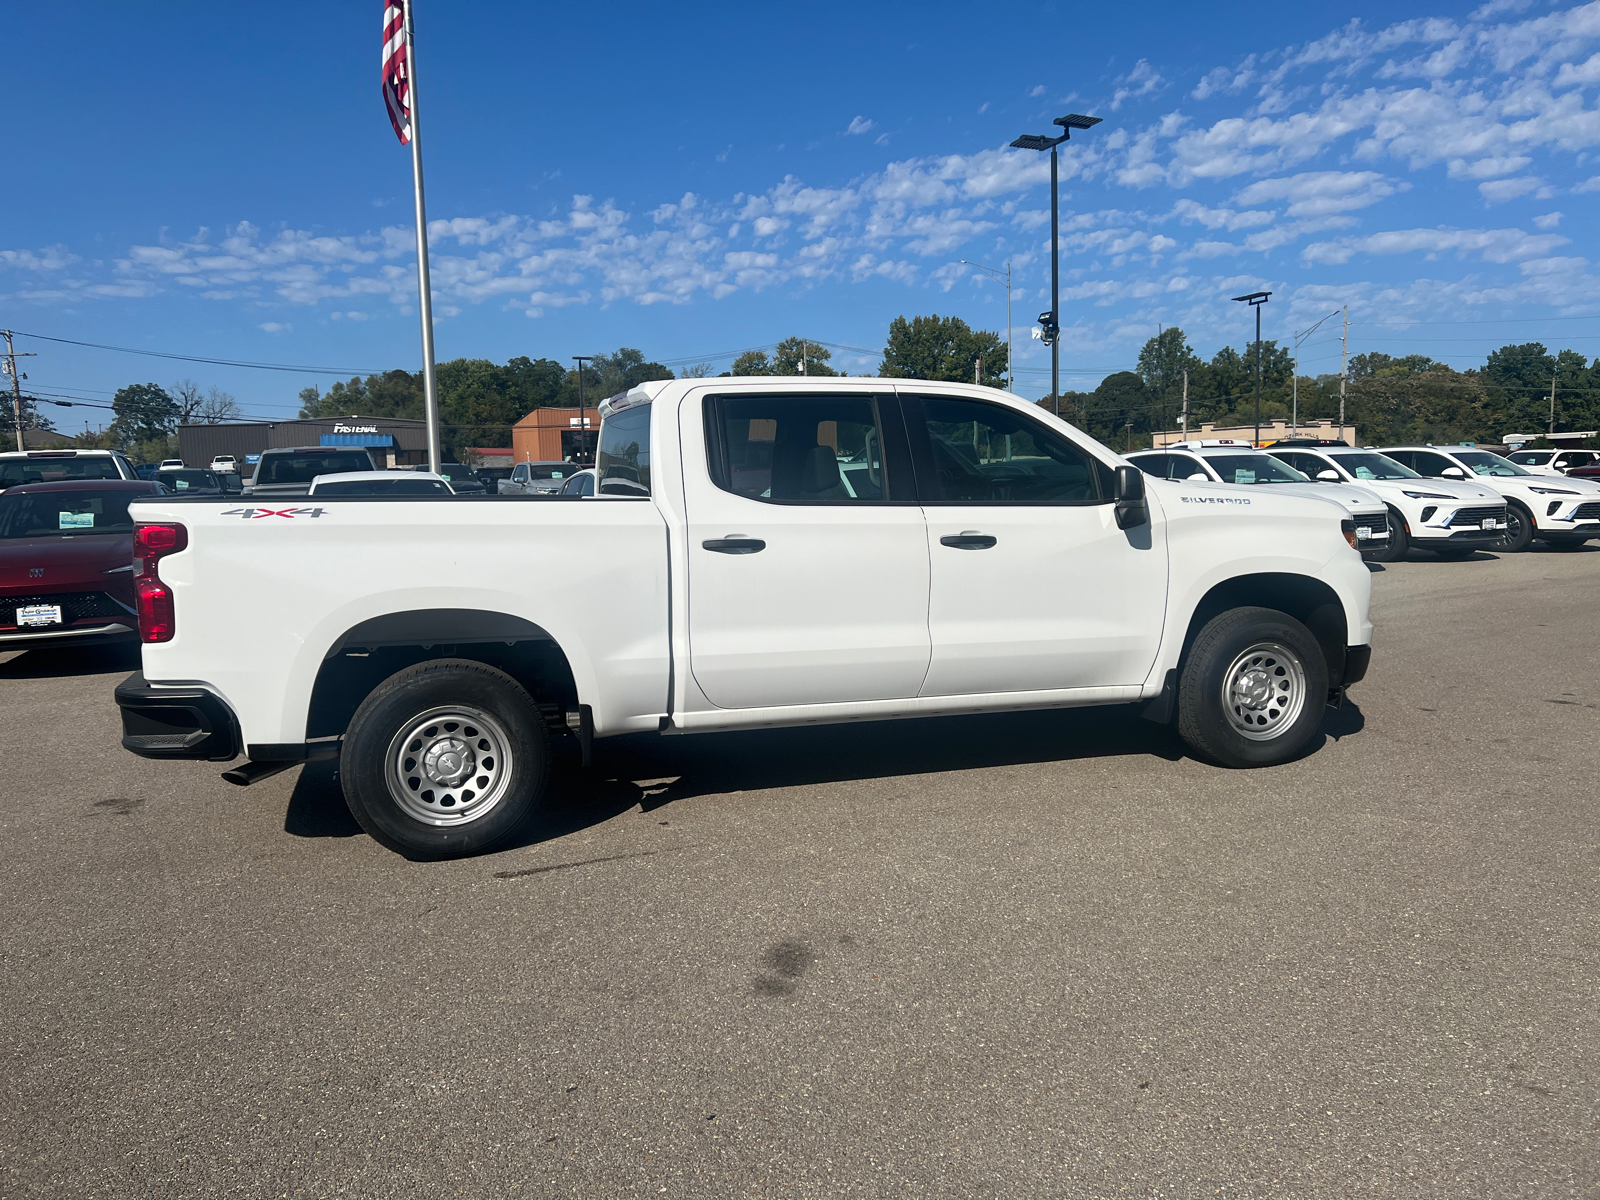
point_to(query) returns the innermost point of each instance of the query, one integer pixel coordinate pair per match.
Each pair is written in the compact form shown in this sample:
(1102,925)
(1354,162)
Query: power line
(216,362)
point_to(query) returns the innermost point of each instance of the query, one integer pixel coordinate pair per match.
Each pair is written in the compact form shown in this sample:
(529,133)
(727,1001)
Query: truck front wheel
(1253,689)
(444,759)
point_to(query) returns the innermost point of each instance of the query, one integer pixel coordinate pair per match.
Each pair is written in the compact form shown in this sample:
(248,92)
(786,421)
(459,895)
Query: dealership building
(394,441)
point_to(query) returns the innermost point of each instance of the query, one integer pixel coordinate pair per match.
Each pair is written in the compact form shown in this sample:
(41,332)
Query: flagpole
(430,379)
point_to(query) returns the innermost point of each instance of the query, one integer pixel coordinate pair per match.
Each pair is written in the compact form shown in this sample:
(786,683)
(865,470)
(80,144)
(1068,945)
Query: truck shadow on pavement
(650,772)
(60,662)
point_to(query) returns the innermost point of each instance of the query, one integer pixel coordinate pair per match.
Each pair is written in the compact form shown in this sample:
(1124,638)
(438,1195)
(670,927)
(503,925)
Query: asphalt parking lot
(1039,955)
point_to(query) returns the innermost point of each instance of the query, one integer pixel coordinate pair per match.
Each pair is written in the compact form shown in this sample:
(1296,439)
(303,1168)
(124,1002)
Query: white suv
(1225,460)
(1562,513)
(1553,462)
(225,462)
(1452,519)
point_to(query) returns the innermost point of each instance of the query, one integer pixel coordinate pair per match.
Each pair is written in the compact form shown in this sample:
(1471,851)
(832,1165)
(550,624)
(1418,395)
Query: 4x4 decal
(250,514)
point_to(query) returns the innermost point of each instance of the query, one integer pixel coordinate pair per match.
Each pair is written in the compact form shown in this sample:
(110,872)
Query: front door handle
(735,545)
(969,541)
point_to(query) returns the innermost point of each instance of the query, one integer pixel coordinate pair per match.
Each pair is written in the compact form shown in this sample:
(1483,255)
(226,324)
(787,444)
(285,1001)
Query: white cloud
(275,326)
(47,258)
(1488,168)
(1318,193)
(859,125)
(1037,91)
(1139,82)
(1498,191)
(1492,245)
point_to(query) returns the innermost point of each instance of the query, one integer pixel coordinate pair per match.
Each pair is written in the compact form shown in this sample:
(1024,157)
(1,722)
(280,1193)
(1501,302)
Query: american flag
(396,70)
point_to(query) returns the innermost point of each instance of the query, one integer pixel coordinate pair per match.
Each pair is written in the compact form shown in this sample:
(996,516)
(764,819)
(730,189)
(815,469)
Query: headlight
(1554,491)
(1428,496)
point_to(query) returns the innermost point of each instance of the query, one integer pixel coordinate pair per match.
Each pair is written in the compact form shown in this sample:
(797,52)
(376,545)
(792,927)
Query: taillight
(151,543)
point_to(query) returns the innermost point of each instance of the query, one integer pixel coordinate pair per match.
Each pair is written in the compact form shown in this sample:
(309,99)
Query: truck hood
(1350,496)
(65,563)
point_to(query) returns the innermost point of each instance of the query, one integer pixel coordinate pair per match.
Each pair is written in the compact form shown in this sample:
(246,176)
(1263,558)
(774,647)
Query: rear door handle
(735,545)
(969,541)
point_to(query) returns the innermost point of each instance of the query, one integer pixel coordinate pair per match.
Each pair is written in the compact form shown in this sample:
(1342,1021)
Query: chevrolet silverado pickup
(760,552)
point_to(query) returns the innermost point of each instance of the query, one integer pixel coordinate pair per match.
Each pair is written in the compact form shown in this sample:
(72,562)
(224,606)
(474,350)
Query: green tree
(144,413)
(752,362)
(946,348)
(624,369)
(1162,363)
(786,358)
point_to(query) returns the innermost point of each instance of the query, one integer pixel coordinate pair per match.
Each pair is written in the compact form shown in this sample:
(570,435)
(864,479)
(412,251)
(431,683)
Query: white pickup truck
(762,552)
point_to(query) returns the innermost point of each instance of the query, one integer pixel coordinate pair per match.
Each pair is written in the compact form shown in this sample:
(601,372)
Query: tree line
(1388,399)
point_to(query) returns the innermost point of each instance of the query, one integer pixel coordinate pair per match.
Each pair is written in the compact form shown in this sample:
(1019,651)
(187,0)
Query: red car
(1590,472)
(66,563)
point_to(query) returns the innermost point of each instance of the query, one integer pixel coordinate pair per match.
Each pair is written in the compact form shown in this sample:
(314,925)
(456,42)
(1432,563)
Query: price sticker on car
(30,615)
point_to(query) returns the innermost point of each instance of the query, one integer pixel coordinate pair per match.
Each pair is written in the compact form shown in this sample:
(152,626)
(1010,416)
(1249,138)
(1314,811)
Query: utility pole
(1183,421)
(16,385)
(977,365)
(802,356)
(1344,358)
(1553,372)
(583,413)
(994,274)
(1298,338)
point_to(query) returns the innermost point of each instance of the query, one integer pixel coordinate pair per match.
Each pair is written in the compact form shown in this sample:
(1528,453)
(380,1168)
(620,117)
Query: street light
(1052,320)
(994,274)
(1298,338)
(1255,300)
(583,416)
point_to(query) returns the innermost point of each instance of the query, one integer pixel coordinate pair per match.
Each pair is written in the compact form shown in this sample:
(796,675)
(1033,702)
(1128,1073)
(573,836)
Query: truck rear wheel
(444,759)
(1253,689)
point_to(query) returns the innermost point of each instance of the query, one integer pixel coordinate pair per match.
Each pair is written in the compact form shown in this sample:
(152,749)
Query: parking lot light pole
(1051,321)
(1255,300)
(995,274)
(583,417)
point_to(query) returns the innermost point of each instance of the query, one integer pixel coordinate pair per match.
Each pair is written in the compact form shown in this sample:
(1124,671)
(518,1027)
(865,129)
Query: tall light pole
(1255,300)
(583,416)
(994,274)
(1051,321)
(1298,338)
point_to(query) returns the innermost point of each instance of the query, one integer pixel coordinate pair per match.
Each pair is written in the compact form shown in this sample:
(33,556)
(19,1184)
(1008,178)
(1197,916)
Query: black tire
(1519,530)
(444,759)
(1210,719)
(1399,544)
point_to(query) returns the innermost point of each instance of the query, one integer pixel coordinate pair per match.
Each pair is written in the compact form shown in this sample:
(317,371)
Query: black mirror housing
(1131,507)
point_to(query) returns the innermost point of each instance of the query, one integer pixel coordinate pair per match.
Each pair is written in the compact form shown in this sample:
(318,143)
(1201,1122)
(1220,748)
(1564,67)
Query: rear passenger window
(810,449)
(623,459)
(985,453)
(1153,465)
(1184,465)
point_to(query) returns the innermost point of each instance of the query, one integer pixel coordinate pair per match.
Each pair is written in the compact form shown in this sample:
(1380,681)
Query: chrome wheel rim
(449,766)
(1264,691)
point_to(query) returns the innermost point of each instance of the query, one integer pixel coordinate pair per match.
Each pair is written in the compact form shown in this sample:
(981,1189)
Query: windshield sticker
(255,514)
(1214,499)
(77,520)
(182,483)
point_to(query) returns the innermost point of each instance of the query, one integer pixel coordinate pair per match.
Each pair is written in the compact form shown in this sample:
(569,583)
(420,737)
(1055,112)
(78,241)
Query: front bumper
(176,722)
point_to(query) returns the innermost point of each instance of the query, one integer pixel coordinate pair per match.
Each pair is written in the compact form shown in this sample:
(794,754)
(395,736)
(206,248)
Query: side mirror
(1131,508)
(1197,477)
(1329,476)
(1453,473)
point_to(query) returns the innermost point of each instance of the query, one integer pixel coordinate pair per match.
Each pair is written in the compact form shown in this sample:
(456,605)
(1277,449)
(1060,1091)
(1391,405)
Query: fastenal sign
(337,428)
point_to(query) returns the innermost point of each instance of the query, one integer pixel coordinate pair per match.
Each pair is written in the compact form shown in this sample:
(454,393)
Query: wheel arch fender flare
(1309,600)
(372,650)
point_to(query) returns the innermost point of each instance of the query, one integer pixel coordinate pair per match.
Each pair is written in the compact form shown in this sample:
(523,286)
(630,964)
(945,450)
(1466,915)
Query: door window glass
(984,453)
(1185,465)
(821,449)
(1431,465)
(1153,465)
(623,460)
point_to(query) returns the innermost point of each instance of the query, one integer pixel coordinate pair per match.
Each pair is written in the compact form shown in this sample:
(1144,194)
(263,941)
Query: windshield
(191,479)
(1253,468)
(48,470)
(1531,458)
(53,514)
(1484,463)
(382,487)
(550,471)
(303,468)
(454,471)
(1373,466)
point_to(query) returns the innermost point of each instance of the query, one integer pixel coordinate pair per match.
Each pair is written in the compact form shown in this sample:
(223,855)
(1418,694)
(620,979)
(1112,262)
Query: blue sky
(221,180)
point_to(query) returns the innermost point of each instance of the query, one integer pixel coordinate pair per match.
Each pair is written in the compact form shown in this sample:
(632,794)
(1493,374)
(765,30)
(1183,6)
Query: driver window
(984,453)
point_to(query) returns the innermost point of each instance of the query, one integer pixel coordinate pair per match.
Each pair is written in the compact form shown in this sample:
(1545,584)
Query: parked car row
(1453,500)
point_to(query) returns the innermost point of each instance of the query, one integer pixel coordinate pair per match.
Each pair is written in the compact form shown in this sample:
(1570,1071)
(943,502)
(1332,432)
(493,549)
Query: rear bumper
(176,722)
(85,635)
